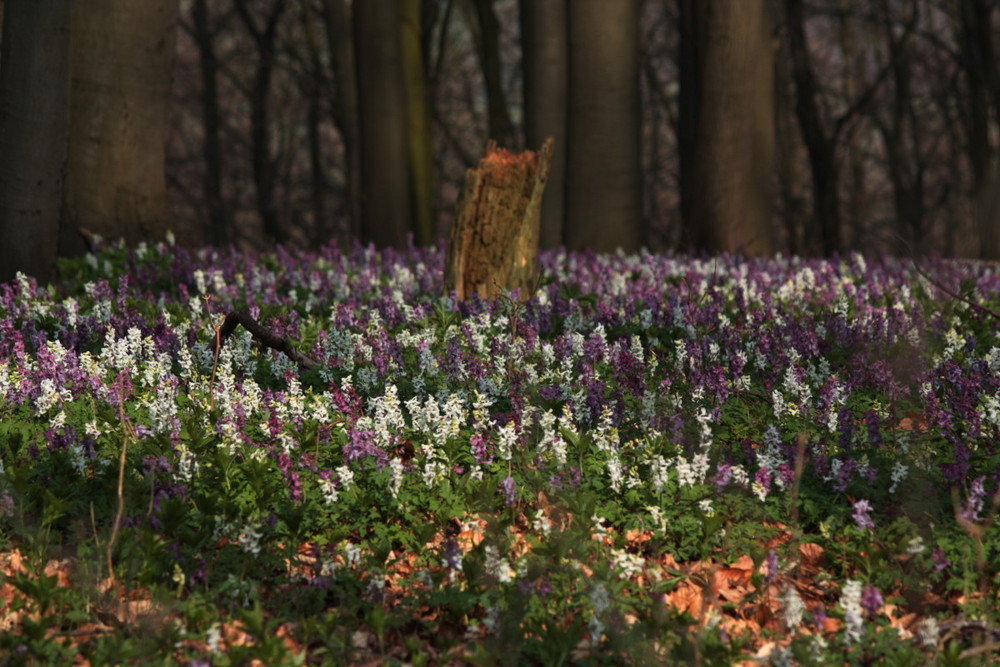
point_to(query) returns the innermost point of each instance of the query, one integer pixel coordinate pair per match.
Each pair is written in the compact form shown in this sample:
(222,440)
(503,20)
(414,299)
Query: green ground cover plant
(213,457)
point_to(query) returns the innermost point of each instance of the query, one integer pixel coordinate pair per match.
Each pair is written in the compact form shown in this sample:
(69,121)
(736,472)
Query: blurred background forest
(807,127)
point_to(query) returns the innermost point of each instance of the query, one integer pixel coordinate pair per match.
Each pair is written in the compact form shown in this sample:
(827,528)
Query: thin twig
(953,294)
(121,490)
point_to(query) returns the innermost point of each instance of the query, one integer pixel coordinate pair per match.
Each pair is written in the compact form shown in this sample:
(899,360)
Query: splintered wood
(493,248)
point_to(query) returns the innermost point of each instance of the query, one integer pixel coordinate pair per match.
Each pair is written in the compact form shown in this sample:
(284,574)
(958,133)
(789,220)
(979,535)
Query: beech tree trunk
(731,170)
(494,238)
(603,157)
(544,67)
(121,57)
(34,125)
(385,171)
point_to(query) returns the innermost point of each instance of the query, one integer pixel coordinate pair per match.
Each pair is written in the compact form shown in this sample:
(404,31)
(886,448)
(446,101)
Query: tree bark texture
(385,171)
(494,238)
(487,30)
(265,180)
(544,65)
(821,147)
(34,124)
(603,189)
(122,53)
(340,40)
(219,218)
(418,116)
(732,179)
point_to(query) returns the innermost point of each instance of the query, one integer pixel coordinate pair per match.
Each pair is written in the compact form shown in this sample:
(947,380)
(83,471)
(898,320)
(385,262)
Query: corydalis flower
(850,602)
(792,608)
(509,490)
(861,514)
(871,599)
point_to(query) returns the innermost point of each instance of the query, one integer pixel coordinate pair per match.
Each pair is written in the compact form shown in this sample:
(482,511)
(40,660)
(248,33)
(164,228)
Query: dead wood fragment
(265,337)
(493,247)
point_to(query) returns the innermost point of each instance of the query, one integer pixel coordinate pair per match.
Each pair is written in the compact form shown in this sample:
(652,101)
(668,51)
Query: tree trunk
(488,34)
(337,20)
(494,238)
(544,64)
(220,232)
(793,212)
(385,171)
(982,93)
(691,40)
(264,178)
(603,189)
(732,179)
(820,146)
(34,124)
(418,114)
(122,52)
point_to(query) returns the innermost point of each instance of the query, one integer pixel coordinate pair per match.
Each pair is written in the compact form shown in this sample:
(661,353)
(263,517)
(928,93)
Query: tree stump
(494,238)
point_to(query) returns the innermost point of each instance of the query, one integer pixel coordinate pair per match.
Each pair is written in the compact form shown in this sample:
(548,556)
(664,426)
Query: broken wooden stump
(493,247)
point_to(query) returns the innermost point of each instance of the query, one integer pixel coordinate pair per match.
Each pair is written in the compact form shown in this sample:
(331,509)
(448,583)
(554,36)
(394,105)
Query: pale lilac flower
(975,504)
(861,514)
(941,561)
(6,504)
(509,490)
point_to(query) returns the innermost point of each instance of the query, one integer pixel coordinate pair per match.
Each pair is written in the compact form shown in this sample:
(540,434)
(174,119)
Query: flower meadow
(654,459)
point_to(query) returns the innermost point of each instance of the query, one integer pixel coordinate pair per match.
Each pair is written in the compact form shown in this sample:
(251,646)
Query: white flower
(329,490)
(929,631)
(628,565)
(850,602)
(352,553)
(899,471)
(600,602)
(214,638)
(346,476)
(660,472)
(916,546)
(706,507)
(396,479)
(498,567)
(250,540)
(541,523)
(792,607)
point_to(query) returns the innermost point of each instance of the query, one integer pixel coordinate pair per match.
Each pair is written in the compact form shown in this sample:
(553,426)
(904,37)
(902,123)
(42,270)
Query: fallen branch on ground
(262,335)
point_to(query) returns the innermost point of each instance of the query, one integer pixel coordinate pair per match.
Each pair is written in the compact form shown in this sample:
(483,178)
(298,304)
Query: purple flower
(481,449)
(723,475)
(452,555)
(975,505)
(871,599)
(509,490)
(941,561)
(861,518)
(771,566)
